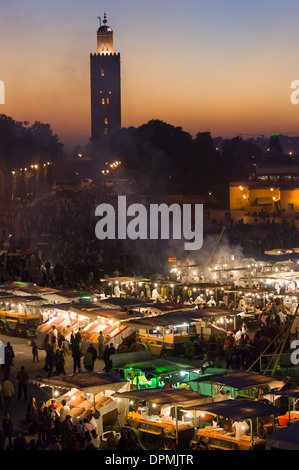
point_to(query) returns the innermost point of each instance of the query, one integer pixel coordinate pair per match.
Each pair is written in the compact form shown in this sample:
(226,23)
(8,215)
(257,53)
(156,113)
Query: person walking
(7,429)
(22,378)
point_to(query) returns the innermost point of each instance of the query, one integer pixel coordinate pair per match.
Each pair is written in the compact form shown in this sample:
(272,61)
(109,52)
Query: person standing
(7,428)
(93,351)
(20,443)
(34,351)
(50,360)
(106,357)
(8,392)
(32,416)
(66,433)
(53,338)
(60,362)
(41,422)
(64,411)
(76,354)
(88,361)
(101,341)
(22,378)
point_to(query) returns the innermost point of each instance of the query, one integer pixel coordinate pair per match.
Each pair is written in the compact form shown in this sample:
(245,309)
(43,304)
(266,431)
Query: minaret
(105,92)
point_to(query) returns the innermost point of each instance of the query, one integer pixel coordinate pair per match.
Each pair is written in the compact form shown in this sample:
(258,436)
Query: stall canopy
(67,306)
(157,367)
(288,392)
(88,382)
(238,409)
(120,302)
(166,396)
(180,317)
(285,439)
(144,361)
(240,380)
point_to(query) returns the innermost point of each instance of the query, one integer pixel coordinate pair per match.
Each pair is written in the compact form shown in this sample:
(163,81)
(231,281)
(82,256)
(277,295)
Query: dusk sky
(223,66)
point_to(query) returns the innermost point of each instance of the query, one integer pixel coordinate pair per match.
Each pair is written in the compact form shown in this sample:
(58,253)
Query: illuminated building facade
(267,190)
(105,92)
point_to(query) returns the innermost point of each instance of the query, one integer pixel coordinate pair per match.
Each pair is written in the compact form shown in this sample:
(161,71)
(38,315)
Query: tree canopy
(22,145)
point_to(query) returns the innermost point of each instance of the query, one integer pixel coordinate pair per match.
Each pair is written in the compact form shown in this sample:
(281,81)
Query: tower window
(107,100)
(106,131)
(102,73)
(106,121)
(103,100)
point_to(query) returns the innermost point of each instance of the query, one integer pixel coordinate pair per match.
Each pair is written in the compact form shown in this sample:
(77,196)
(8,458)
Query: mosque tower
(105,92)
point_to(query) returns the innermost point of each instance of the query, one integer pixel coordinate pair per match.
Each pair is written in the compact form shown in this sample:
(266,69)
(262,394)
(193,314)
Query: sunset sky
(219,65)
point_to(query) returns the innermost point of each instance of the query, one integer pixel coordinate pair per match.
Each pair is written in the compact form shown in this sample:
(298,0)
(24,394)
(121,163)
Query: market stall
(240,384)
(235,424)
(20,315)
(172,331)
(66,318)
(69,317)
(50,294)
(289,396)
(112,324)
(157,416)
(88,394)
(122,286)
(284,439)
(157,372)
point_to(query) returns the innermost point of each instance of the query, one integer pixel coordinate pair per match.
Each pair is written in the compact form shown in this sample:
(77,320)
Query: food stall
(151,372)
(240,384)
(288,396)
(121,286)
(235,424)
(168,333)
(20,315)
(156,414)
(112,323)
(87,393)
(67,318)
(286,438)
(51,295)
(249,303)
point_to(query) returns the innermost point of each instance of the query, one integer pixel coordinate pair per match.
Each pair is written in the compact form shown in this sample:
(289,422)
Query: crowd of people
(52,430)
(54,238)
(46,427)
(241,348)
